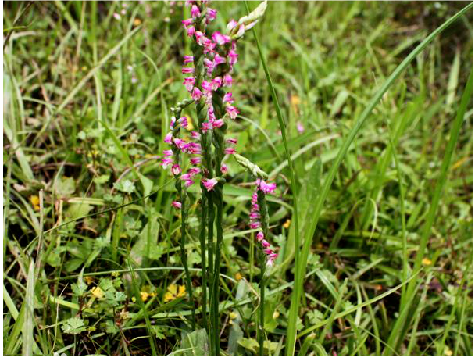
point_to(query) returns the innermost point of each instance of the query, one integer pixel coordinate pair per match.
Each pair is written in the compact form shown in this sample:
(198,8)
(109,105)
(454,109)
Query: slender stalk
(184,259)
(261,200)
(204,214)
(262,287)
(217,265)
(212,275)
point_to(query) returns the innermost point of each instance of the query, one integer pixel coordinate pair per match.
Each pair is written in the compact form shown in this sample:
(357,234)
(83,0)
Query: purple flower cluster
(255,219)
(218,50)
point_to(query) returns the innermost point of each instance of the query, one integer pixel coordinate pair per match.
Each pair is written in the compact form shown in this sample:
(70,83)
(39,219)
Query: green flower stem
(261,200)
(204,217)
(218,142)
(262,287)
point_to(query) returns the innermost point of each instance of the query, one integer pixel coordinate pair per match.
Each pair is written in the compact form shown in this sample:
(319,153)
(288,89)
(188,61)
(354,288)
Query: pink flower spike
(268,251)
(232,111)
(188,59)
(218,59)
(195,11)
(195,135)
(232,141)
(207,87)
(187,70)
(255,225)
(300,127)
(218,38)
(209,45)
(216,83)
(176,204)
(176,169)
(232,57)
(166,162)
(270,262)
(241,31)
(168,137)
(190,31)
(259,236)
(229,151)
(183,121)
(194,171)
(199,37)
(196,94)
(224,168)
(189,182)
(187,22)
(189,83)
(205,127)
(254,215)
(227,80)
(231,25)
(211,14)
(209,183)
(218,123)
(267,188)
(265,244)
(195,160)
(228,98)
(168,153)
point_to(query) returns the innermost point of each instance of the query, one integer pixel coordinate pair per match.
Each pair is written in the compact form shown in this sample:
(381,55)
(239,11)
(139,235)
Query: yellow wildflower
(88,279)
(238,276)
(35,201)
(97,292)
(233,315)
(137,21)
(287,224)
(426,262)
(144,296)
(174,291)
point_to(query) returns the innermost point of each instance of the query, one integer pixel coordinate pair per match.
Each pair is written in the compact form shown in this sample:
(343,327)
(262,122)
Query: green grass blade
(396,338)
(29,321)
(301,265)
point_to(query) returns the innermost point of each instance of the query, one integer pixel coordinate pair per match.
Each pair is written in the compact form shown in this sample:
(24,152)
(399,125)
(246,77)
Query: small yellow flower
(448,352)
(144,296)
(426,262)
(97,292)
(174,291)
(233,315)
(276,314)
(84,68)
(35,201)
(88,279)
(238,276)
(137,21)
(287,224)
